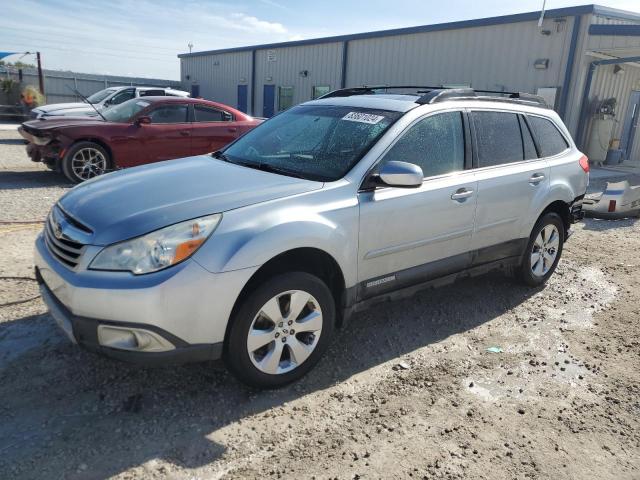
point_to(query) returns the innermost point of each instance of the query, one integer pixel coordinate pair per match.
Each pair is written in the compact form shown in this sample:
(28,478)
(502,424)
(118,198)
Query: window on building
(550,140)
(169,114)
(320,90)
(498,138)
(435,144)
(208,114)
(285,98)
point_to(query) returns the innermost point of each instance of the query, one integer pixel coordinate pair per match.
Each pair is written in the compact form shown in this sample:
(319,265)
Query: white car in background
(103,99)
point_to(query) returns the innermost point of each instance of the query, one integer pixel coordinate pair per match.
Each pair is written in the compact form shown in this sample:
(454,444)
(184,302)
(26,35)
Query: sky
(142,38)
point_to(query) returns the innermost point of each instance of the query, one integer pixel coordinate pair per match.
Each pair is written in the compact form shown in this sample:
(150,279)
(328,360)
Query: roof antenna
(544,2)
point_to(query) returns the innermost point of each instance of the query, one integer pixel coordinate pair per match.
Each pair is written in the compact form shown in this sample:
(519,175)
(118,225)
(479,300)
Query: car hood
(65,108)
(55,123)
(129,203)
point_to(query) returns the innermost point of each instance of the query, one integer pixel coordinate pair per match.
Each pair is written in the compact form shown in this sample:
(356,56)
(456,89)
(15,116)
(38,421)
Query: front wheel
(281,330)
(84,161)
(543,250)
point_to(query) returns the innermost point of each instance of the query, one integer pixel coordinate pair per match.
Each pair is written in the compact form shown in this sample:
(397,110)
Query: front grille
(66,251)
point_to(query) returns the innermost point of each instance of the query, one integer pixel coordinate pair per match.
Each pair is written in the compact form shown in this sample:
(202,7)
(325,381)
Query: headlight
(157,250)
(41,140)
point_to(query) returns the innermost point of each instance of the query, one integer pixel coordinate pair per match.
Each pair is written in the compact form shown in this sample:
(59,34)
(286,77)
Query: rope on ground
(17,302)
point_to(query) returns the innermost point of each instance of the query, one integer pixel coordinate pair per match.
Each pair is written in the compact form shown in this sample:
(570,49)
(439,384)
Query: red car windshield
(124,112)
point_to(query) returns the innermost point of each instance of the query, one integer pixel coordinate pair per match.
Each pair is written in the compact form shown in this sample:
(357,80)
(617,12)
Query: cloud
(251,23)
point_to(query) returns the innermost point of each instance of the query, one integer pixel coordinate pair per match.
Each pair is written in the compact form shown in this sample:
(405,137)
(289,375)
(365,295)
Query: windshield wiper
(265,167)
(221,156)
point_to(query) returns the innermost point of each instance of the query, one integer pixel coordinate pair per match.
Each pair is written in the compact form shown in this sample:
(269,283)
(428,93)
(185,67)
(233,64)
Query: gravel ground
(407,390)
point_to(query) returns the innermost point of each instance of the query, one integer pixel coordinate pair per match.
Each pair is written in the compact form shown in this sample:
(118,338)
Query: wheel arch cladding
(562,209)
(310,260)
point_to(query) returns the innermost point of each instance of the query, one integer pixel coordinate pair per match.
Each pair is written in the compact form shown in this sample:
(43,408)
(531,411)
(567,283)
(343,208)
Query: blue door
(195,90)
(630,126)
(242,98)
(268,100)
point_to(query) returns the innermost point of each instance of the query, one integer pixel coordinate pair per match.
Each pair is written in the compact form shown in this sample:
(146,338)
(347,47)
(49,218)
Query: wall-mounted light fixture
(304,73)
(269,79)
(618,70)
(541,64)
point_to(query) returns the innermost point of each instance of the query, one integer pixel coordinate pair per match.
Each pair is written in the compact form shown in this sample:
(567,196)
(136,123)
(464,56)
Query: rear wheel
(84,161)
(543,250)
(281,330)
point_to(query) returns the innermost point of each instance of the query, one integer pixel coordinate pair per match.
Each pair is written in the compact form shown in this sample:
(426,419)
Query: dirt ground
(407,390)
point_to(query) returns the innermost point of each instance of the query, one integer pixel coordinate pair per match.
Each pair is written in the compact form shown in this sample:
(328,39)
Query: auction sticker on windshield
(362,117)
(142,104)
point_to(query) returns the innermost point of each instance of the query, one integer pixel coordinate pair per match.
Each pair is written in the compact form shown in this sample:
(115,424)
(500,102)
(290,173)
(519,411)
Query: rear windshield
(316,142)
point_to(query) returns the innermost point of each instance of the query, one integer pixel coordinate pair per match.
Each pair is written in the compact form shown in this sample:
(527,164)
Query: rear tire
(543,251)
(281,330)
(84,161)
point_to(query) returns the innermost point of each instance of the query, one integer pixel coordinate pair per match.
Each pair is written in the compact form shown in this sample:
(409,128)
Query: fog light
(133,339)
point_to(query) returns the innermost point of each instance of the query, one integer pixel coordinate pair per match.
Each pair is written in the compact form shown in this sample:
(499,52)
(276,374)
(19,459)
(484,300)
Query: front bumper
(84,332)
(184,306)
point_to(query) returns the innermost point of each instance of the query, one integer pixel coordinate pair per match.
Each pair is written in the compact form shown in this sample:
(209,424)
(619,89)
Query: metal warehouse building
(584,60)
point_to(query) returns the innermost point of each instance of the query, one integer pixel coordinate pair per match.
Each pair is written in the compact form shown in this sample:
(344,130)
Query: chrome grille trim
(67,252)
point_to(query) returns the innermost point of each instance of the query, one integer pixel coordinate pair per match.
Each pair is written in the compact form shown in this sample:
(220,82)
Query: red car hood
(50,124)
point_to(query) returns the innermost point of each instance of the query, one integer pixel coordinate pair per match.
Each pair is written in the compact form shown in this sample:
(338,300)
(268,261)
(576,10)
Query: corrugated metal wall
(493,57)
(56,83)
(606,85)
(218,75)
(283,67)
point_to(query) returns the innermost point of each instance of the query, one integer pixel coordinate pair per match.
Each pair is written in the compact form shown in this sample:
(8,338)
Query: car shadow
(13,141)
(77,415)
(602,225)
(32,179)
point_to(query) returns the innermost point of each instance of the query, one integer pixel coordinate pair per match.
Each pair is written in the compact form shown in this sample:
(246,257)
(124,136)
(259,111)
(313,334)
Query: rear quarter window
(549,139)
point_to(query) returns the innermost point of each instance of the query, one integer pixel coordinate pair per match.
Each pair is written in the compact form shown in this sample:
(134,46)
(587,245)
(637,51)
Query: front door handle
(184,133)
(536,178)
(461,194)
(232,129)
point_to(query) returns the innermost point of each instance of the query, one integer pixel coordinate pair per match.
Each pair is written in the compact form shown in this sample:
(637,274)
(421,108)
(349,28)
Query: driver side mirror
(144,120)
(401,174)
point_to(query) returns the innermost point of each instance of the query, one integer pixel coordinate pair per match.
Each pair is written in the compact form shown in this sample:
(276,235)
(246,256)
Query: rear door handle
(232,129)
(184,133)
(536,178)
(461,194)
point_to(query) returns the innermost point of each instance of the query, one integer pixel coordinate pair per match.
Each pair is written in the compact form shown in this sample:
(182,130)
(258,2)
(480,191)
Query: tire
(274,364)
(96,162)
(547,237)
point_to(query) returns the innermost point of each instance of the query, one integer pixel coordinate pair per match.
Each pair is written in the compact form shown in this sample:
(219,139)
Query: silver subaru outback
(258,252)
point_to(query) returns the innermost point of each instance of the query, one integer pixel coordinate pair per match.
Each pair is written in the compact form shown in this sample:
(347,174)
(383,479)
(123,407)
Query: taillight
(612,205)
(584,163)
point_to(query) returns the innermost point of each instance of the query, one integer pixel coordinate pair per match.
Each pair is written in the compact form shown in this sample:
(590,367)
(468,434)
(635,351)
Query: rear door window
(498,138)
(550,140)
(208,114)
(435,144)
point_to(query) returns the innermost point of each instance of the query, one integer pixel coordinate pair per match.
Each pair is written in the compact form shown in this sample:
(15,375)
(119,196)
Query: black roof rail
(430,94)
(373,89)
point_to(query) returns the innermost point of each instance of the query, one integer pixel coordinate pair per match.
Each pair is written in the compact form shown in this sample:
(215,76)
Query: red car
(138,131)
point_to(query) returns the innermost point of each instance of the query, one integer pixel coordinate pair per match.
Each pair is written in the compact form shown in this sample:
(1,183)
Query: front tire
(281,330)
(543,250)
(84,161)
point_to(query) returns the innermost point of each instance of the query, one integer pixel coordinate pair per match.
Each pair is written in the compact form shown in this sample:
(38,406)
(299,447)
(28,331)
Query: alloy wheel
(285,332)
(545,250)
(88,163)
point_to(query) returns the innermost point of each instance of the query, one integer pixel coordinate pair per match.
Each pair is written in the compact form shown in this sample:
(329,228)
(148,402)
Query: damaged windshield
(316,142)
